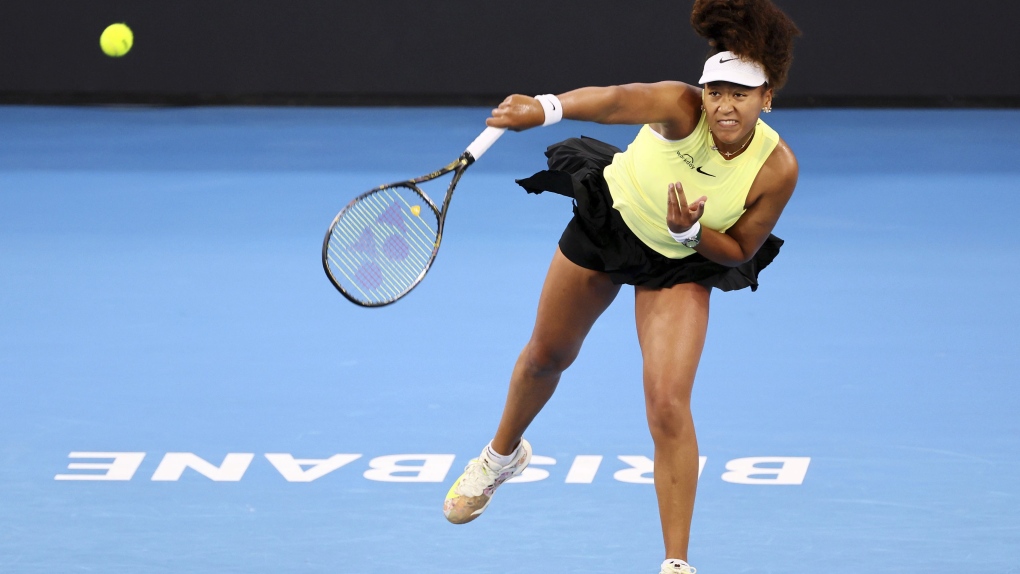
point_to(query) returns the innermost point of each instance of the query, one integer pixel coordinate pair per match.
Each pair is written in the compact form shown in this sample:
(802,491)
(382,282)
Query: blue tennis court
(183,390)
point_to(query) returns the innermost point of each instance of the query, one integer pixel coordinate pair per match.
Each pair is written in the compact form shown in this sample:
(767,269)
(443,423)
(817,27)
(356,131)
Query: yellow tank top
(639,178)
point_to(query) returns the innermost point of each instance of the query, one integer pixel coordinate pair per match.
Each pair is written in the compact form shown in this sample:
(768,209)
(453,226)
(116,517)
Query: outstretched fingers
(681,216)
(673,205)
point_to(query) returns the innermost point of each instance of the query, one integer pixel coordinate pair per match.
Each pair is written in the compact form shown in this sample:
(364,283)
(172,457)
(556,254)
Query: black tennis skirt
(597,238)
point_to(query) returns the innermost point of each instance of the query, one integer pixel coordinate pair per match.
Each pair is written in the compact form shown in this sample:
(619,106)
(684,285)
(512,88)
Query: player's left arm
(769,194)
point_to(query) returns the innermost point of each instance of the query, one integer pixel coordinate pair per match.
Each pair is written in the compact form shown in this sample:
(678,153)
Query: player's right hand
(517,113)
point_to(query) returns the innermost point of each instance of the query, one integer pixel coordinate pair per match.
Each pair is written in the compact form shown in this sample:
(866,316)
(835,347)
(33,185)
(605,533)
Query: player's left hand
(679,215)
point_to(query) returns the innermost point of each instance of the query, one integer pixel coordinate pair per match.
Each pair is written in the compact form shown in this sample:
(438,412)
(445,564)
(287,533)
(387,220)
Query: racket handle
(484,141)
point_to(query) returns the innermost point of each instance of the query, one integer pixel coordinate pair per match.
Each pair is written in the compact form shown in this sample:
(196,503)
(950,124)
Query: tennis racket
(383,243)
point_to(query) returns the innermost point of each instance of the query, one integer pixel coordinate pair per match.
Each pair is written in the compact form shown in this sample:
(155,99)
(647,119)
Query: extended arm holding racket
(631,104)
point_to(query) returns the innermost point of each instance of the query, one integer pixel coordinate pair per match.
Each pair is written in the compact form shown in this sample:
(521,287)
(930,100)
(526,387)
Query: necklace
(730,154)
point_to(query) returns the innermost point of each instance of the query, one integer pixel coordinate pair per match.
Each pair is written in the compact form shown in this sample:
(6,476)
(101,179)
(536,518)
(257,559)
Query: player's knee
(542,359)
(669,412)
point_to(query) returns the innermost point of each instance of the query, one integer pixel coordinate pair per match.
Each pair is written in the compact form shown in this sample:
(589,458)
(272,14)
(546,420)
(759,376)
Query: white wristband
(689,234)
(552,107)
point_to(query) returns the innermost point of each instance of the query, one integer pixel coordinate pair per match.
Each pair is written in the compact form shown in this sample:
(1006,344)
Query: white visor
(728,67)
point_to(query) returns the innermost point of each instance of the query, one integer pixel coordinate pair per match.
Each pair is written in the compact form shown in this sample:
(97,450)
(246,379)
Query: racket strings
(381,245)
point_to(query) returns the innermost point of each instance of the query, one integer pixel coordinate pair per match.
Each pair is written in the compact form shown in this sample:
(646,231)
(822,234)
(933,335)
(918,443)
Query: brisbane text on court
(582,469)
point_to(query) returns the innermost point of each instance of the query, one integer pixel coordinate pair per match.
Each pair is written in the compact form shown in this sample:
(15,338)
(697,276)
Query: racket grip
(484,141)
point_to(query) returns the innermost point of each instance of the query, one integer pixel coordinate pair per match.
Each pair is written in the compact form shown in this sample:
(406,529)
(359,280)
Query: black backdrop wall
(853,52)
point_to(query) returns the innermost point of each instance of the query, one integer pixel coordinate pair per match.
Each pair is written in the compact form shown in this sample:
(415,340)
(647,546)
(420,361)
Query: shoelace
(477,477)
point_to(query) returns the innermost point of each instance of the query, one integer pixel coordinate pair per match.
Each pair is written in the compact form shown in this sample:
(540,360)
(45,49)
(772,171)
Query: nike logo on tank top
(639,179)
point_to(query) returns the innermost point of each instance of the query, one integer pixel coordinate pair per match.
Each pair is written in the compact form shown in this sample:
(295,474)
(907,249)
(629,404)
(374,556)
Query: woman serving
(688,207)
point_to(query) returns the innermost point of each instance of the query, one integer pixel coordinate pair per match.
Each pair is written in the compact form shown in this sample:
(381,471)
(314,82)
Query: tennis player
(687,208)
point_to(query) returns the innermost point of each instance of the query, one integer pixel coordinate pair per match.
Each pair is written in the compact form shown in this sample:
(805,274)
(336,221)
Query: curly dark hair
(755,29)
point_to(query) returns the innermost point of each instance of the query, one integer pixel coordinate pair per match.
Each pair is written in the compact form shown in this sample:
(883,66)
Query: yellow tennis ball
(416,210)
(116,40)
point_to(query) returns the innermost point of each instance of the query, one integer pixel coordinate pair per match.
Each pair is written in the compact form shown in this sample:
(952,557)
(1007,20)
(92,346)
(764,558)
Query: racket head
(381,245)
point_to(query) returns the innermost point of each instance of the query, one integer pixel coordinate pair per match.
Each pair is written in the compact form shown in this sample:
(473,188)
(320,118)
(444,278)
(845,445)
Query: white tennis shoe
(677,567)
(470,495)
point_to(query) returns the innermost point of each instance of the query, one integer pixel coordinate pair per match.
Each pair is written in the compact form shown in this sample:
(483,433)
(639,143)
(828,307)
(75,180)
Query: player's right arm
(673,108)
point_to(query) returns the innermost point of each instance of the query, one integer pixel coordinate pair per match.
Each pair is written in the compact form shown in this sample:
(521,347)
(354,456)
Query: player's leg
(572,299)
(671,325)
